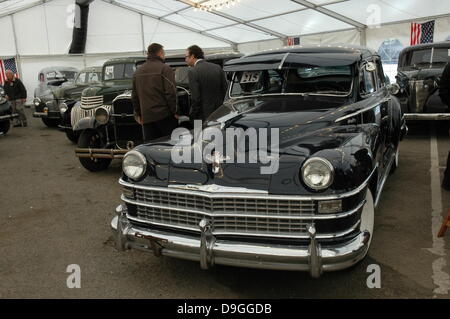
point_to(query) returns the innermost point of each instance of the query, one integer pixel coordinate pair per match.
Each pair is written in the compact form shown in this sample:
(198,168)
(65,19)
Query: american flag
(422,32)
(7,64)
(293,41)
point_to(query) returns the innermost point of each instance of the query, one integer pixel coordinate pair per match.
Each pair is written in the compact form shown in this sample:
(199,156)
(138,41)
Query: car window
(336,80)
(181,75)
(93,77)
(50,75)
(257,82)
(119,71)
(81,79)
(69,75)
(367,81)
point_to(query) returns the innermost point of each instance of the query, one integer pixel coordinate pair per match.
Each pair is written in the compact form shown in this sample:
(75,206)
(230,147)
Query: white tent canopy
(43,27)
(39,32)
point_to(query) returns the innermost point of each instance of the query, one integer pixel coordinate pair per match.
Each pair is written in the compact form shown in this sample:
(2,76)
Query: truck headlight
(102,115)
(36,101)
(134,164)
(63,107)
(317,173)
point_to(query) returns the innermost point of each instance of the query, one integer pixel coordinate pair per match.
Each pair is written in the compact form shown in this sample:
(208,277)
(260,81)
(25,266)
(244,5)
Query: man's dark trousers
(159,129)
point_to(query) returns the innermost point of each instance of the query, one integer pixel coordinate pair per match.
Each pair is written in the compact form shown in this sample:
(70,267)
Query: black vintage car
(419,70)
(68,95)
(108,132)
(46,99)
(334,129)
(6,113)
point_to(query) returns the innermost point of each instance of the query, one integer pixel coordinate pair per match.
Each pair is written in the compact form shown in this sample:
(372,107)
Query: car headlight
(134,164)
(63,107)
(102,115)
(317,173)
(2,99)
(36,101)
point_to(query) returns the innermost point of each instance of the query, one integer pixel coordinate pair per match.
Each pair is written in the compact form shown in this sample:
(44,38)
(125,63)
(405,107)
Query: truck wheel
(50,122)
(4,127)
(92,139)
(72,135)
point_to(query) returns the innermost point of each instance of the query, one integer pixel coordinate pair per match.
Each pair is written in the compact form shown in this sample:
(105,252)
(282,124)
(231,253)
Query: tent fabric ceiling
(257,20)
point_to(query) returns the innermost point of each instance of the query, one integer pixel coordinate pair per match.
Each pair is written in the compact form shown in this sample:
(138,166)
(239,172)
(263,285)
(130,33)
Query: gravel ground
(55,213)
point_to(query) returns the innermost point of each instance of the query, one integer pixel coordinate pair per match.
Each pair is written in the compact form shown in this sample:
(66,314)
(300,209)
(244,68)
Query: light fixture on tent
(214,5)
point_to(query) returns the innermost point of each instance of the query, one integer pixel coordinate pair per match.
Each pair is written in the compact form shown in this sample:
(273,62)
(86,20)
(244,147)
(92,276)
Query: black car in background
(68,95)
(6,113)
(336,133)
(112,130)
(419,70)
(46,100)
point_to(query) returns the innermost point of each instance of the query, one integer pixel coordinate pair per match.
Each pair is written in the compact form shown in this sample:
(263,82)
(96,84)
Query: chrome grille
(224,224)
(91,102)
(245,215)
(78,113)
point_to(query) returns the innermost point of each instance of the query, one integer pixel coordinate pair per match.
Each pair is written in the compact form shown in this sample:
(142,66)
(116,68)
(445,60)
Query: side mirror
(393,88)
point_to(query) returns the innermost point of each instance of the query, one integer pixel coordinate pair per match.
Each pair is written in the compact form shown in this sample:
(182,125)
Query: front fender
(86,123)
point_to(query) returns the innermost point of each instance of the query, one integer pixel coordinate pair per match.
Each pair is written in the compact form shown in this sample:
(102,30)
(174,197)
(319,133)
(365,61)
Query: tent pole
(18,61)
(142,33)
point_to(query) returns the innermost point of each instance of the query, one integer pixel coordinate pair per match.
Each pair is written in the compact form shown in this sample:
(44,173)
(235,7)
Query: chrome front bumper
(209,251)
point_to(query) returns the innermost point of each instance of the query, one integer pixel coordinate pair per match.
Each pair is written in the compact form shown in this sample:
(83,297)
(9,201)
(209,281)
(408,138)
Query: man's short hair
(9,71)
(154,49)
(196,51)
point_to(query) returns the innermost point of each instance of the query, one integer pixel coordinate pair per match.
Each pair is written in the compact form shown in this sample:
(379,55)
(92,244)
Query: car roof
(335,48)
(442,44)
(58,68)
(92,69)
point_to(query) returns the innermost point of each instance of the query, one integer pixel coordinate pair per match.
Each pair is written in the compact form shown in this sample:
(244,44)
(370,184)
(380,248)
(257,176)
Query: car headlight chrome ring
(63,107)
(102,115)
(36,101)
(134,164)
(317,173)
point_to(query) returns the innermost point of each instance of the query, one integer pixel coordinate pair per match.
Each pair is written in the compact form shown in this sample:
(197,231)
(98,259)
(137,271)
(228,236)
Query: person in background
(16,93)
(154,95)
(207,83)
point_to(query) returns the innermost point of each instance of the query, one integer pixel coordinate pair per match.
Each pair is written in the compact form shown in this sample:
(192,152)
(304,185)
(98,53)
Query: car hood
(307,127)
(421,74)
(109,89)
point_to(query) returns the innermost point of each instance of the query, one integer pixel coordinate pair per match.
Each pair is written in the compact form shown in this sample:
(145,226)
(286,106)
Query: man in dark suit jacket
(207,83)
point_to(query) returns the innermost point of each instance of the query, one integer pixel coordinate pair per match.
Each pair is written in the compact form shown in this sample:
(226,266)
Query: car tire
(4,127)
(50,122)
(92,139)
(72,135)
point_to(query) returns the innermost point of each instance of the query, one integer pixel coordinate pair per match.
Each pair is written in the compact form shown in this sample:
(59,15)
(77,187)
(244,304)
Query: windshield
(88,77)
(119,71)
(314,80)
(181,75)
(424,58)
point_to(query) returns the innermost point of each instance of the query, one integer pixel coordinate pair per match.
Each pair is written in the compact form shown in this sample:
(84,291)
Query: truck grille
(91,102)
(78,113)
(229,215)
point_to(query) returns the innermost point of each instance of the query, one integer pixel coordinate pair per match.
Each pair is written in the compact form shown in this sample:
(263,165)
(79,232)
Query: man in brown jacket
(154,95)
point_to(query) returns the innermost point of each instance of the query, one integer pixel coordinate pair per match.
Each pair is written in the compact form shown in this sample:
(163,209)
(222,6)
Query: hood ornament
(216,159)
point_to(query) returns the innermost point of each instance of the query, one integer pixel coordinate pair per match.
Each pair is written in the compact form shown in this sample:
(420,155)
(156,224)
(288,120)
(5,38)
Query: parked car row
(339,126)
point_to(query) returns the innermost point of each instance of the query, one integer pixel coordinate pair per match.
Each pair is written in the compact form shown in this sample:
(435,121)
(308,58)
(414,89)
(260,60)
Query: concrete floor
(55,213)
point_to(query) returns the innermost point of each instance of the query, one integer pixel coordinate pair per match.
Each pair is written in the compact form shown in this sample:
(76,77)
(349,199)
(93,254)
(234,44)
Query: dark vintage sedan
(68,95)
(109,131)
(419,70)
(6,113)
(46,102)
(334,129)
